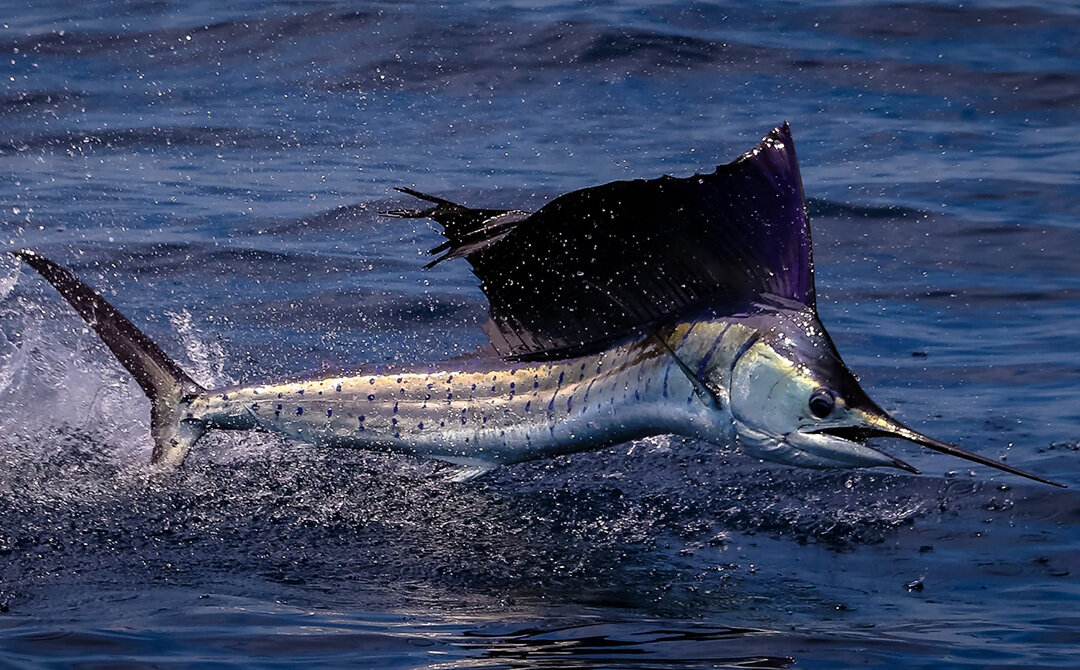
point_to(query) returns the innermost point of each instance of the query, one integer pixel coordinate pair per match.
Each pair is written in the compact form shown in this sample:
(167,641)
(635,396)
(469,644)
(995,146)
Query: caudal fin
(162,380)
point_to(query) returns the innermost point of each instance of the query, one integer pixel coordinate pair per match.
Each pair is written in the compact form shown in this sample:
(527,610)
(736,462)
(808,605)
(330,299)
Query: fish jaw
(812,450)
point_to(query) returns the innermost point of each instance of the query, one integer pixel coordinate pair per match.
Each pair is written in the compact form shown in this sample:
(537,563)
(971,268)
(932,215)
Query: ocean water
(218,169)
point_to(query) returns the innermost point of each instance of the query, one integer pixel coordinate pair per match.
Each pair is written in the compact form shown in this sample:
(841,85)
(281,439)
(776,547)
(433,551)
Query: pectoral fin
(467,473)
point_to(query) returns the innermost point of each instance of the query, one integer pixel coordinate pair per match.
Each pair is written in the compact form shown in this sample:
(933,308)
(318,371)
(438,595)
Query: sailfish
(682,306)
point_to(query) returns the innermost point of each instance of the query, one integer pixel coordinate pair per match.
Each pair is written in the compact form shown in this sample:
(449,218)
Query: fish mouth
(884,425)
(860,435)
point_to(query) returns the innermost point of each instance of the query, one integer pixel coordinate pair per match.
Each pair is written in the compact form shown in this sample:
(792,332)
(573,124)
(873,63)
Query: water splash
(206,356)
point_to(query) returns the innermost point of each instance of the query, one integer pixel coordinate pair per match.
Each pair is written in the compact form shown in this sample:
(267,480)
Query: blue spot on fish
(299,410)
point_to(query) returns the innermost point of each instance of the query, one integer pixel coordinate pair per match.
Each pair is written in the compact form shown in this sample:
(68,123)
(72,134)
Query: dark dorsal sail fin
(600,263)
(466,229)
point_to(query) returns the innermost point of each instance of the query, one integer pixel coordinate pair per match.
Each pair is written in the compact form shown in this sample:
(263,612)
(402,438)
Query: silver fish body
(510,413)
(504,413)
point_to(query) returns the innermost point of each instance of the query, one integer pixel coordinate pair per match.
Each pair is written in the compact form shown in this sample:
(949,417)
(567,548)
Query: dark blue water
(217,170)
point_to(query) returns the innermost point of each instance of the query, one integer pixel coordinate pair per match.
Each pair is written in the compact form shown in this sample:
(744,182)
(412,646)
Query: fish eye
(822,401)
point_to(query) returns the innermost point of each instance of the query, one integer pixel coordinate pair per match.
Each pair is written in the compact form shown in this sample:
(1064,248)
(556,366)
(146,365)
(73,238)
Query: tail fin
(162,380)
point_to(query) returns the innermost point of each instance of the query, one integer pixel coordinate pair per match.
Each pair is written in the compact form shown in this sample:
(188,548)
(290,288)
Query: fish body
(493,412)
(500,413)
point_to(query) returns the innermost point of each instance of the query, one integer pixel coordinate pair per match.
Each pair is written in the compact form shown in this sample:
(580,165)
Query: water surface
(218,172)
